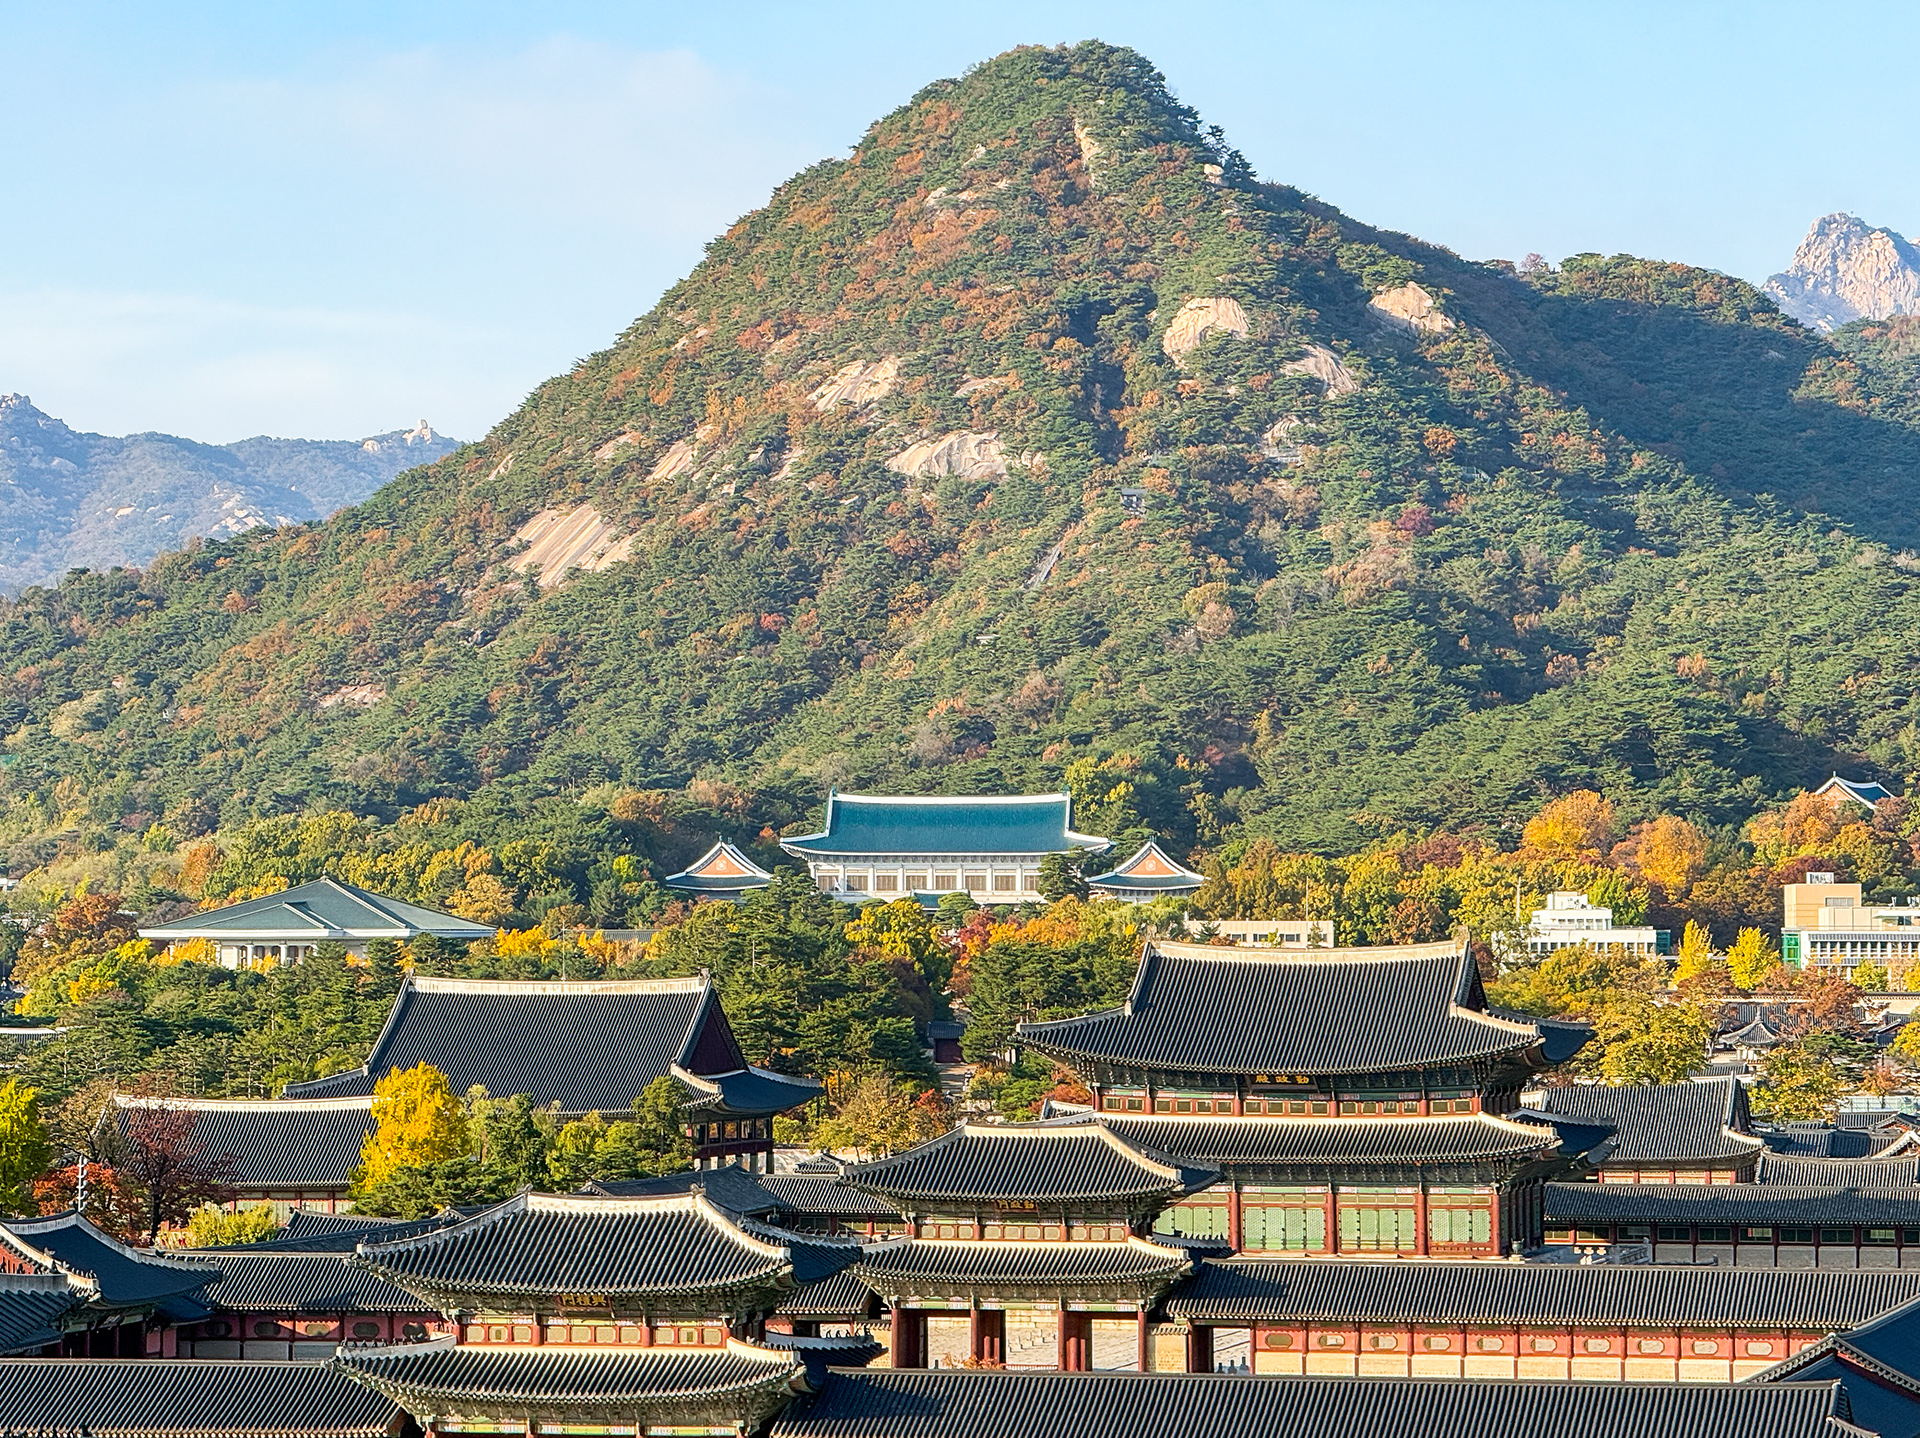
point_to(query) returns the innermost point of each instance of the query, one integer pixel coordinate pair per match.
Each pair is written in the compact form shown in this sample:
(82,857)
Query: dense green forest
(1332,557)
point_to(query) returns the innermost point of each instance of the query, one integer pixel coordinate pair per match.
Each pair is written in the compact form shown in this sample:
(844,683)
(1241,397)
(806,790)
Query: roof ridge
(437,984)
(243,1105)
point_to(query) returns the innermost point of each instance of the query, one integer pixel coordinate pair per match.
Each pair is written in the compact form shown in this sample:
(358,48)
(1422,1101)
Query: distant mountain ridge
(69,499)
(1846,270)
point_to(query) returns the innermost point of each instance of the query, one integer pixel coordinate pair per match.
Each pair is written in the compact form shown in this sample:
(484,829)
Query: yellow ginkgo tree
(418,1120)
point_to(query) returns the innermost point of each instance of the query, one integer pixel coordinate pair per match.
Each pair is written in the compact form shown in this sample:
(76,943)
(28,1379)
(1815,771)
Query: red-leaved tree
(160,1166)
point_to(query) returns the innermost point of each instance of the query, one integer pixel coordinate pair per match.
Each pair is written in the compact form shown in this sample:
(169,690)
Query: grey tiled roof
(1742,1203)
(842,1295)
(1879,1364)
(585,1046)
(1845,1172)
(1552,1293)
(127,1277)
(274,1143)
(32,1306)
(1464,1138)
(1045,1264)
(908,1403)
(284,1282)
(138,1398)
(1210,1009)
(306,1231)
(564,1378)
(538,1243)
(1664,1123)
(986,1162)
(825,1194)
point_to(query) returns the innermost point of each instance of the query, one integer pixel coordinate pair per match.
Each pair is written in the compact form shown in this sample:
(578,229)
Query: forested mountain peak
(1039,442)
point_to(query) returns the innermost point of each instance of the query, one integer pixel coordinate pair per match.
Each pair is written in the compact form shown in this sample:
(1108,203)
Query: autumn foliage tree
(162,1170)
(1579,826)
(418,1122)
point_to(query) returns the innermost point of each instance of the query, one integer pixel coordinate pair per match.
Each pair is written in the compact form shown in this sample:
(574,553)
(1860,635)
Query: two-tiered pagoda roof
(1215,1010)
(583,1046)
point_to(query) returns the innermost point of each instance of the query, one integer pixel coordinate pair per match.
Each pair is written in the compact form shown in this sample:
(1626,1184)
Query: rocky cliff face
(70,499)
(1845,271)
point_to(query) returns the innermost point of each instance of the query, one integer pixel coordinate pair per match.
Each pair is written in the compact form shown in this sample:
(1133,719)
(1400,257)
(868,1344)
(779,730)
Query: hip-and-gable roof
(1656,1124)
(929,826)
(313,912)
(272,1143)
(1216,1009)
(989,1162)
(592,1045)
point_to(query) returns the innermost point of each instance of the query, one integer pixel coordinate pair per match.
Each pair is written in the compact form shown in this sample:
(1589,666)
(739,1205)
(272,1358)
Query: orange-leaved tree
(1577,826)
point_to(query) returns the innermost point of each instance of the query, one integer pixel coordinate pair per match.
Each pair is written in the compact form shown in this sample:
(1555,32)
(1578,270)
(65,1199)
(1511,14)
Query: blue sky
(332,220)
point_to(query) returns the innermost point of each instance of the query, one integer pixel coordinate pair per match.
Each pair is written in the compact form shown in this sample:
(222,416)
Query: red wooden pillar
(1146,1365)
(1420,1221)
(1333,1218)
(1235,1234)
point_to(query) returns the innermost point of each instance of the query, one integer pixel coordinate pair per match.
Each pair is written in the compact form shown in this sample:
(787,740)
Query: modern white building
(288,926)
(988,847)
(1570,918)
(1829,926)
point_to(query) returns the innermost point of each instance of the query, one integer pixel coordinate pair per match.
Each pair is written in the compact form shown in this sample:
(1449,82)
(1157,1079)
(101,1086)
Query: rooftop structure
(1329,1073)
(1569,918)
(881,1404)
(111,1398)
(1829,927)
(1540,1320)
(543,1257)
(281,1304)
(1147,875)
(730,1388)
(133,1296)
(1868,793)
(723,872)
(1878,1363)
(591,1046)
(38,1309)
(283,1151)
(1667,1133)
(987,846)
(1231,1015)
(291,924)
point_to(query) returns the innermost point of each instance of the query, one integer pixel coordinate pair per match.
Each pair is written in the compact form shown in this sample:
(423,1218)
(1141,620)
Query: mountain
(1846,271)
(69,499)
(1038,442)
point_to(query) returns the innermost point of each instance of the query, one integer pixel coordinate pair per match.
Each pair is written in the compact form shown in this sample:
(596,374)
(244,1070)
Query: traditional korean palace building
(292,924)
(1027,1247)
(286,1152)
(595,1314)
(583,1047)
(1353,1100)
(1667,1133)
(1147,875)
(988,847)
